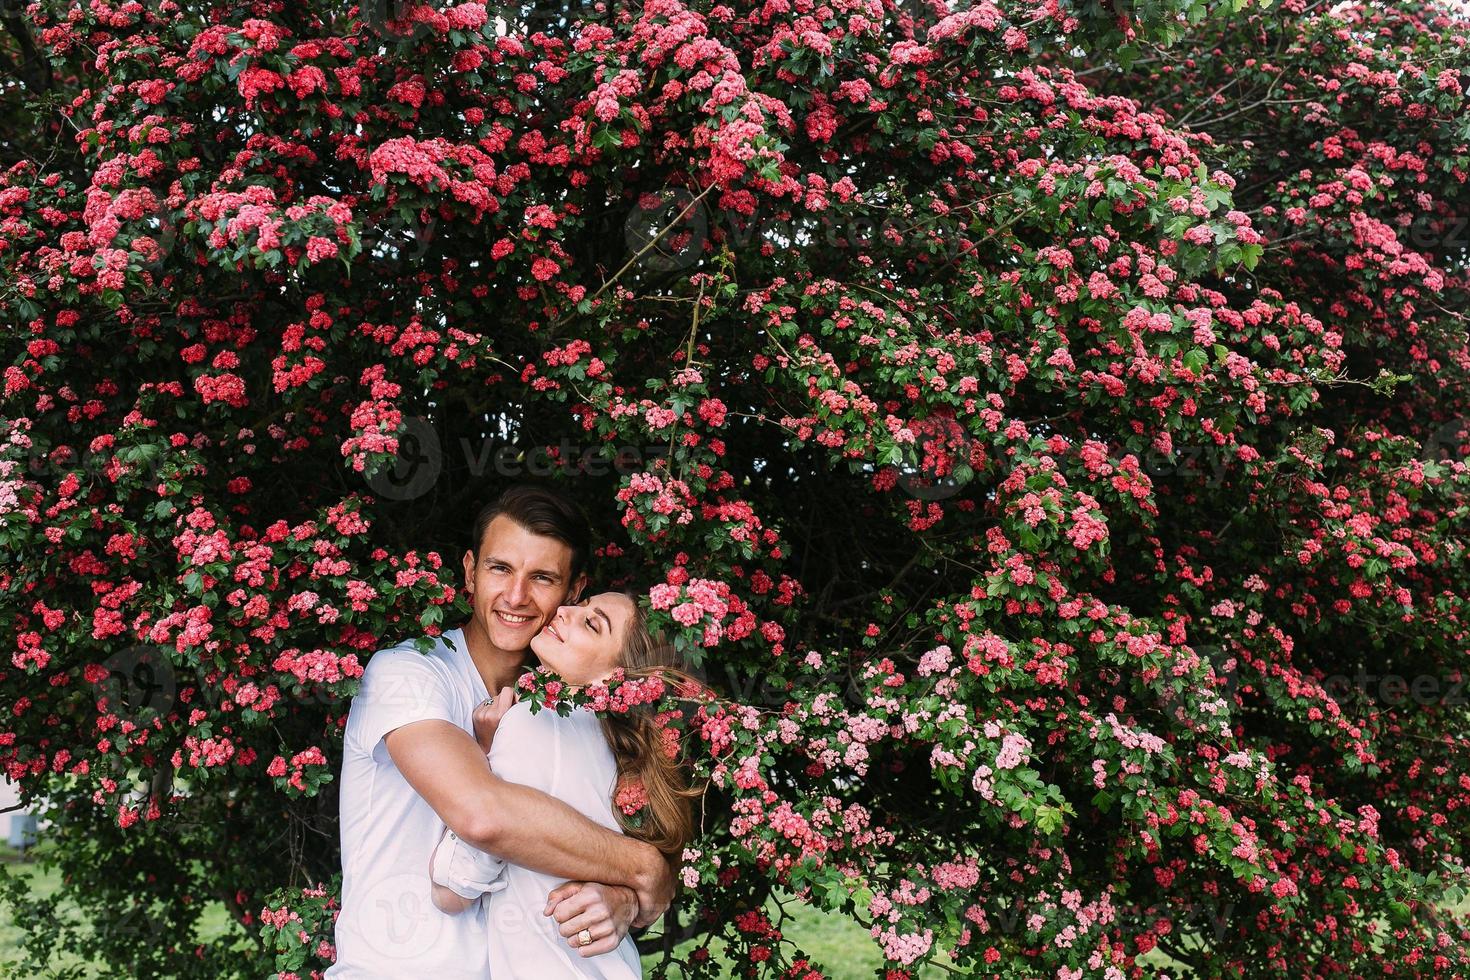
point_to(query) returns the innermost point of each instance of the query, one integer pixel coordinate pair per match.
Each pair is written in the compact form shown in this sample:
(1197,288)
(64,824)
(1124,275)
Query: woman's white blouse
(567,758)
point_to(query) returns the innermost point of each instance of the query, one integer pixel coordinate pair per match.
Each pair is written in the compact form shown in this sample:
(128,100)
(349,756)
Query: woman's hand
(605,911)
(487,717)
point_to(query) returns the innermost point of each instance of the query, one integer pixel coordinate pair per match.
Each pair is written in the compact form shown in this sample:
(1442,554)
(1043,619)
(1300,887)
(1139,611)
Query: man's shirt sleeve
(398,686)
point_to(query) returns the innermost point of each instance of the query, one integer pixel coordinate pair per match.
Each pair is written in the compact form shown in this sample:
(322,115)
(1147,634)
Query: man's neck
(498,668)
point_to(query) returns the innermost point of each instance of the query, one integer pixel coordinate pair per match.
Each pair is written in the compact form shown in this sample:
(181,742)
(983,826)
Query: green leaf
(835,894)
(1048,819)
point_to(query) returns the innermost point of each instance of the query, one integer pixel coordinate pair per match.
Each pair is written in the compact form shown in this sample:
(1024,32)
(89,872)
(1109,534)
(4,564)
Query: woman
(583,760)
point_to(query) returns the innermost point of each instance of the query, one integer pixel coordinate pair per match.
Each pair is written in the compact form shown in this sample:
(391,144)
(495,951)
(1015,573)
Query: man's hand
(655,892)
(606,911)
(487,717)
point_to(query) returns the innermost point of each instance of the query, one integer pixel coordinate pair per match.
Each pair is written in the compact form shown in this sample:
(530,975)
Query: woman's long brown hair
(638,745)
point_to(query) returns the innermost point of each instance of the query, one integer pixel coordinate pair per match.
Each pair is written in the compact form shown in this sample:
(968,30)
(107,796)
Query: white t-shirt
(567,758)
(388,927)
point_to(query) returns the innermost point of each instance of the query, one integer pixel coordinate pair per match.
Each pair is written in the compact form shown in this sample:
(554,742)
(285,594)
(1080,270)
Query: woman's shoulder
(549,751)
(520,715)
(580,726)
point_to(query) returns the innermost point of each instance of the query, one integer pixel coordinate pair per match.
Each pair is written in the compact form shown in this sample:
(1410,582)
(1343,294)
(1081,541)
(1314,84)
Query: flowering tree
(1040,422)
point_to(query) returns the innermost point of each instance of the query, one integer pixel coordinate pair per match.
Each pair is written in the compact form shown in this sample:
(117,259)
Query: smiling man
(411,767)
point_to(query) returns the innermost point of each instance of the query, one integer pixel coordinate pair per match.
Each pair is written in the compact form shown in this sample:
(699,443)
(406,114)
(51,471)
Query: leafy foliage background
(1049,419)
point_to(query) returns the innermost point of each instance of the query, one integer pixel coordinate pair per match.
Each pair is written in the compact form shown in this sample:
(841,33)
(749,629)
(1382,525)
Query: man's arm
(519,824)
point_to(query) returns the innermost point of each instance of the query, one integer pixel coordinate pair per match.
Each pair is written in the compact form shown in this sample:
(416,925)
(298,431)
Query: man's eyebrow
(539,571)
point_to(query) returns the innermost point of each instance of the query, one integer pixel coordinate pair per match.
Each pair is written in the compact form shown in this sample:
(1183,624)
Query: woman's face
(583,643)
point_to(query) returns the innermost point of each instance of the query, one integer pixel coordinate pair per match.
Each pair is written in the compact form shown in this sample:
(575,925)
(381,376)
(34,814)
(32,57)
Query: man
(411,767)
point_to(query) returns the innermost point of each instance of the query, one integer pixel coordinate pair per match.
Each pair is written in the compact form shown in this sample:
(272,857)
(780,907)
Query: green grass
(842,946)
(42,885)
(214,921)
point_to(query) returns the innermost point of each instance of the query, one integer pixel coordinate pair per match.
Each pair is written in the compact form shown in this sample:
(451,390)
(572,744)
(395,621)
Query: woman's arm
(459,874)
(445,900)
(448,902)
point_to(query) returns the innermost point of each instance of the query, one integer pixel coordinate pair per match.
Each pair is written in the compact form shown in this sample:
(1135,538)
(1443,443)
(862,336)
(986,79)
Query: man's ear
(469,571)
(574,594)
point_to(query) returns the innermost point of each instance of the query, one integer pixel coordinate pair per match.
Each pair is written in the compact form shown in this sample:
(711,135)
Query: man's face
(517,583)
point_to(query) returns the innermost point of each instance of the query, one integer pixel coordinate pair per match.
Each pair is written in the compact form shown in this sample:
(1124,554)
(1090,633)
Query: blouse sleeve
(465,870)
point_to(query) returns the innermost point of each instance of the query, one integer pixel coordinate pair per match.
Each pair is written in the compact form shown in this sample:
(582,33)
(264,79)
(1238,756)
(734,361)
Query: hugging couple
(480,840)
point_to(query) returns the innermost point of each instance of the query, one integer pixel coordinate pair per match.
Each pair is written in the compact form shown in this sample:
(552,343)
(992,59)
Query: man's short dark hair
(540,510)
